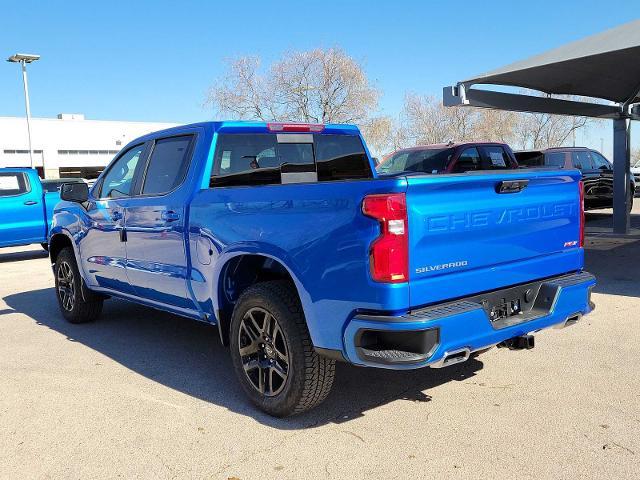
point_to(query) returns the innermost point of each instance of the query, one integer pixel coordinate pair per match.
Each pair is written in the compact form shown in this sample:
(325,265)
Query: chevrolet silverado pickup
(286,239)
(26,207)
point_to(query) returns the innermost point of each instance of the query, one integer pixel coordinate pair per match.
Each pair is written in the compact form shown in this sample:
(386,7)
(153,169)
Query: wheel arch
(240,271)
(57,242)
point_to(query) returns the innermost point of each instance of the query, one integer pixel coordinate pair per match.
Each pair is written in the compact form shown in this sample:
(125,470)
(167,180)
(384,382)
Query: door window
(468,160)
(581,159)
(496,158)
(12,184)
(118,182)
(600,162)
(168,165)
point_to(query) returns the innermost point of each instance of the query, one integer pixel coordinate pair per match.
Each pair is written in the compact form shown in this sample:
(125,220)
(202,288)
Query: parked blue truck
(26,209)
(286,239)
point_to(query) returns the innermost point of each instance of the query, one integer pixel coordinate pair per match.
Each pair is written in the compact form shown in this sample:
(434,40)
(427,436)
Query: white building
(67,146)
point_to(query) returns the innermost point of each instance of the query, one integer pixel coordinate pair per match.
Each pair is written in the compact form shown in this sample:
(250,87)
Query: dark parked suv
(597,171)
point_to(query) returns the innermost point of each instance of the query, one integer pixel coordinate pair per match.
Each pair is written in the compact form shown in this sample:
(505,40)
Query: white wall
(91,141)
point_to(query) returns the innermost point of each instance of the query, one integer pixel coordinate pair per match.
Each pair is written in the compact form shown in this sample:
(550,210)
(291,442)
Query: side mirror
(75,192)
(376,161)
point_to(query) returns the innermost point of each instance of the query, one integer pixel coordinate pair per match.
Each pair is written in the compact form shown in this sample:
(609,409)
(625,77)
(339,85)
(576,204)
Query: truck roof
(17,169)
(241,126)
(433,146)
(554,149)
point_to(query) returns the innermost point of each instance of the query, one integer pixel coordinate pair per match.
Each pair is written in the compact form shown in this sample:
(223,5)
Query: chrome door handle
(30,202)
(170,216)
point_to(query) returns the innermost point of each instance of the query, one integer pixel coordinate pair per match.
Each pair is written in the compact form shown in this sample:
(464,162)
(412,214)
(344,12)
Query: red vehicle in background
(449,158)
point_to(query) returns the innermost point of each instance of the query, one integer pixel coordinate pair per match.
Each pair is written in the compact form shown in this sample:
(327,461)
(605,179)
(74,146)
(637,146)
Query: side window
(168,165)
(530,159)
(12,184)
(555,159)
(600,162)
(496,158)
(468,160)
(341,157)
(581,159)
(50,187)
(118,182)
(396,163)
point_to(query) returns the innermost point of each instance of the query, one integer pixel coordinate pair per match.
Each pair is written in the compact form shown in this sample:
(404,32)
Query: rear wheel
(272,353)
(75,307)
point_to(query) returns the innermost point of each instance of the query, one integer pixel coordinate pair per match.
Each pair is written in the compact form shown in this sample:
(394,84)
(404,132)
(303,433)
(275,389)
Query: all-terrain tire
(75,305)
(309,376)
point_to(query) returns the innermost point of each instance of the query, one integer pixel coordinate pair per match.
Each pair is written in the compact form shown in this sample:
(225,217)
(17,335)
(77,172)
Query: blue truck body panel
(25,217)
(464,239)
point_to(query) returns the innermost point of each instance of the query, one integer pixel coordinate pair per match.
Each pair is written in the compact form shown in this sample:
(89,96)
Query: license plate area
(519,304)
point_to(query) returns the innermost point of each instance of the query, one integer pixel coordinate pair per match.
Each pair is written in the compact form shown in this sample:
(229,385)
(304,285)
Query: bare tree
(379,134)
(495,126)
(312,86)
(425,120)
(542,130)
(242,91)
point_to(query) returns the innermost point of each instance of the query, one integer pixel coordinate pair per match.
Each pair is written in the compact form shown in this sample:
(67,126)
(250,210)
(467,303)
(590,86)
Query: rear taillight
(295,127)
(581,188)
(389,253)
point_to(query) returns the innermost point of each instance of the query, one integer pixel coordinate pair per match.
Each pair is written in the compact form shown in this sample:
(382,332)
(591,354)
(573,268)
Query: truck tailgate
(477,232)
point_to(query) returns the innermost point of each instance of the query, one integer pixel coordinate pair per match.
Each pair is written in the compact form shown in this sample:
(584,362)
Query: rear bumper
(428,336)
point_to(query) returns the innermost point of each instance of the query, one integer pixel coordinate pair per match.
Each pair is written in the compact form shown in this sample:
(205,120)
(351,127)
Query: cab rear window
(260,159)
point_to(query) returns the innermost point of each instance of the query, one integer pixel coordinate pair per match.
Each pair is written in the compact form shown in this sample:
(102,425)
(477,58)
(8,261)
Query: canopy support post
(621,175)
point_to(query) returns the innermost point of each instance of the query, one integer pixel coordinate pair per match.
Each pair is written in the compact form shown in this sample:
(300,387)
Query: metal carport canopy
(604,66)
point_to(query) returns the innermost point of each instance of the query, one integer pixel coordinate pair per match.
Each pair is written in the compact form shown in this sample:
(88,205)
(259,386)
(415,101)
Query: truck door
(155,223)
(21,210)
(103,250)
(605,184)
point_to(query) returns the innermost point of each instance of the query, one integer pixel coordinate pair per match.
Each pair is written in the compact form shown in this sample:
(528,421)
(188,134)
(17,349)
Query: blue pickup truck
(26,207)
(286,239)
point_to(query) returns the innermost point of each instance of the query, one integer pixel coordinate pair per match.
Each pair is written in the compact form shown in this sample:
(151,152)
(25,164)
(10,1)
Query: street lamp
(23,59)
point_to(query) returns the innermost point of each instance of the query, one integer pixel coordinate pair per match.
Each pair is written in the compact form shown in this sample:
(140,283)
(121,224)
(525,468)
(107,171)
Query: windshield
(433,160)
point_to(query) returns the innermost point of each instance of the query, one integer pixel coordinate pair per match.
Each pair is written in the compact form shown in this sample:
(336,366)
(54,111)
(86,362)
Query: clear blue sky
(153,61)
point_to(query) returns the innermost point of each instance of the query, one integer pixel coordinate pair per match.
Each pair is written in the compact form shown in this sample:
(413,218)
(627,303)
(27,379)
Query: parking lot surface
(144,394)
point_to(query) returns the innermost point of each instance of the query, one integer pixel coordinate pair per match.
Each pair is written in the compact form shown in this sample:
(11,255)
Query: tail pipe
(451,358)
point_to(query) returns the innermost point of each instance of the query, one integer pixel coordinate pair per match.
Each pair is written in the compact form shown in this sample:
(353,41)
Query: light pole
(23,59)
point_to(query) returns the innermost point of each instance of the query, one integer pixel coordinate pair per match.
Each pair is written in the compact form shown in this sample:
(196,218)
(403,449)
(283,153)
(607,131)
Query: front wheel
(272,353)
(73,304)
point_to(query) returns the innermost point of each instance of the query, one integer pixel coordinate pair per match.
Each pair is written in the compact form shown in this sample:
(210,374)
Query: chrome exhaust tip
(452,358)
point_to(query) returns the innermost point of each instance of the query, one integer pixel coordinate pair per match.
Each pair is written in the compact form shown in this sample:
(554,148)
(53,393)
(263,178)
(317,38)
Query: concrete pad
(144,394)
